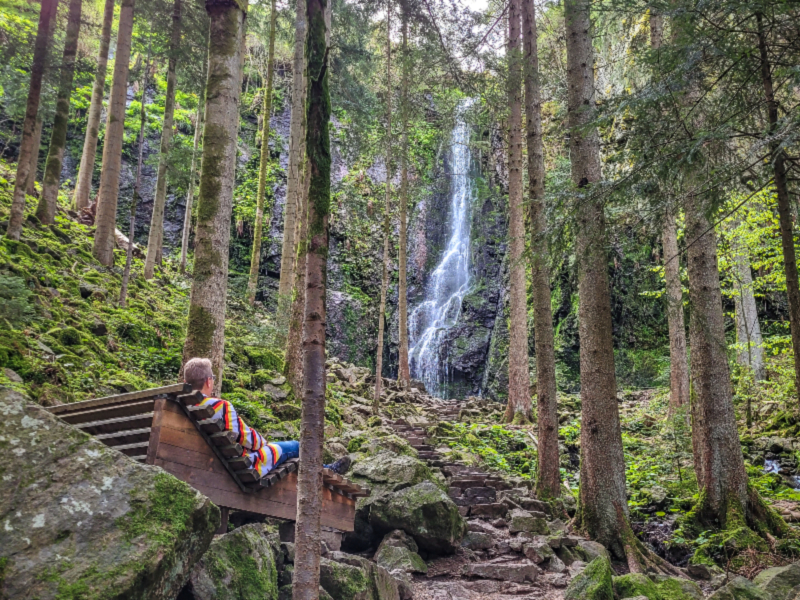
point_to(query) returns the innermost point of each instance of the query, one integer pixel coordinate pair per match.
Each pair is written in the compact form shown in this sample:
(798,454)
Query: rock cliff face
(83,520)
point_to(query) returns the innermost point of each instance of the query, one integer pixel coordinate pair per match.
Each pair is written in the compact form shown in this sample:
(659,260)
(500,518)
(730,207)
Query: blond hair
(197,371)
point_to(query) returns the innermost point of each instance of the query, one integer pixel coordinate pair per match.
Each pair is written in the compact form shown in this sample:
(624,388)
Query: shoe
(341,466)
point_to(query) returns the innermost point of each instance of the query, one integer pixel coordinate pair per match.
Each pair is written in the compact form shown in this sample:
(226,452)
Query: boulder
(514,572)
(350,577)
(398,551)
(101,524)
(740,588)
(779,581)
(423,511)
(237,566)
(390,468)
(593,583)
(475,540)
(525,522)
(538,550)
(590,550)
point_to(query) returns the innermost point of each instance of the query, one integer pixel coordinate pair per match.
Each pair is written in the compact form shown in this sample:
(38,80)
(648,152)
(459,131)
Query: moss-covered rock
(399,557)
(740,588)
(659,588)
(390,468)
(238,566)
(779,581)
(350,577)
(593,583)
(423,511)
(81,520)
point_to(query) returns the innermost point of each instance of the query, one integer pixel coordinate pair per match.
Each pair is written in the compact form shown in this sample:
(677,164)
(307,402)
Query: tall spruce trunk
(748,329)
(309,479)
(126,275)
(30,189)
(155,239)
(387,211)
(678,357)
(205,332)
(603,505)
(294,338)
(784,202)
(266,111)
(187,216)
(518,409)
(108,194)
(43,35)
(84,185)
(403,371)
(718,459)
(48,201)
(294,174)
(548,480)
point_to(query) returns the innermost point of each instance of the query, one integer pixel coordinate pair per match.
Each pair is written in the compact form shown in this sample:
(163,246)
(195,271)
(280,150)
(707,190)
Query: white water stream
(450,281)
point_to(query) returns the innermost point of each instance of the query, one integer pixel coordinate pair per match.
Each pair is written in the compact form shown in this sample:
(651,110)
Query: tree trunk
(30,189)
(678,361)
(155,239)
(718,460)
(385,273)
(309,479)
(548,480)
(403,371)
(187,217)
(255,258)
(603,512)
(748,329)
(784,203)
(84,185)
(205,333)
(294,175)
(294,338)
(48,202)
(123,292)
(108,193)
(43,35)
(519,384)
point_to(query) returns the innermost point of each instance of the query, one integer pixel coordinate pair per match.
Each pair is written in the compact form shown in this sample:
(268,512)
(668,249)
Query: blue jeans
(289,450)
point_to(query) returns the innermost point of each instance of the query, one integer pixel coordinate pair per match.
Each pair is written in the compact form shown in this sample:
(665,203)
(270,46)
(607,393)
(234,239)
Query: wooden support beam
(209,426)
(223,438)
(200,413)
(191,399)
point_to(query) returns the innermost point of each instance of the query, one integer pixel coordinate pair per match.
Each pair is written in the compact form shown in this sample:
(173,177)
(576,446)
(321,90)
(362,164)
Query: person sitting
(264,455)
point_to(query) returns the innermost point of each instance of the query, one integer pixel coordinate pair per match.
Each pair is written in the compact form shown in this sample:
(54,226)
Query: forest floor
(63,338)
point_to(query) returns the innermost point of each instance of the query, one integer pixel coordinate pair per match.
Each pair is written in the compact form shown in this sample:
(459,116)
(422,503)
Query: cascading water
(450,281)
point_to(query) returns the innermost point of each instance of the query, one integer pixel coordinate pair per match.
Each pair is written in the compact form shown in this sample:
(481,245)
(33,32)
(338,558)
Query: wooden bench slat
(109,412)
(178,388)
(108,426)
(200,413)
(130,435)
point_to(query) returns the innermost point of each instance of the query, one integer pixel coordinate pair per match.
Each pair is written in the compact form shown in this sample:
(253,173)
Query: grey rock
(595,582)
(779,581)
(488,511)
(515,572)
(279,380)
(538,550)
(91,516)
(592,550)
(276,393)
(740,588)
(523,521)
(388,467)
(238,566)
(557,526)
(12,375)
(475,540)
(556,565)
(398,551)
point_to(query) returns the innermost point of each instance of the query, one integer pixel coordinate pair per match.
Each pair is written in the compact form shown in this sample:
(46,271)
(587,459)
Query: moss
(242,566)
(344,582)
(355,444)
(264,358)
(594,583)
(4,565)
(70,336)
(635,584)
(200,330)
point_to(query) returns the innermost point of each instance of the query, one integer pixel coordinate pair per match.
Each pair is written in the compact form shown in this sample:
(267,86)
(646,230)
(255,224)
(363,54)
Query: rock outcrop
(82,520)
(593,583)
(237,566)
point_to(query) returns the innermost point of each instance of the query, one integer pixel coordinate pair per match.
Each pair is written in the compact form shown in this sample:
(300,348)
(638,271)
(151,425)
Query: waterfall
(450,281)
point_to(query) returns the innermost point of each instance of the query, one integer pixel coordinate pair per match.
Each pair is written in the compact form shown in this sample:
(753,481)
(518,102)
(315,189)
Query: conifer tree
(403,371)
(43,36)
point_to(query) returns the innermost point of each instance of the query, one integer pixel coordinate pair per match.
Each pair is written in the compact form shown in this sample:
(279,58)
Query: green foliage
(15,301)
(511,451)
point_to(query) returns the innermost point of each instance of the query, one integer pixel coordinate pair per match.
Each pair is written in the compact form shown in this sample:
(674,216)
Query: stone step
(493,510)
(429,456)
(422,447)
(436,463)
(466,483)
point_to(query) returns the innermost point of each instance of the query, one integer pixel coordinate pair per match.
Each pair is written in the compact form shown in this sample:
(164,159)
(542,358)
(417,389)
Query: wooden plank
(118,424)
(125,437)
(137,449)
(223,438)
(178,388)
(223,521)
(209,426)
(183,439)
(155,433)
(109,412)
(200,413)
(195,460)
(191,399)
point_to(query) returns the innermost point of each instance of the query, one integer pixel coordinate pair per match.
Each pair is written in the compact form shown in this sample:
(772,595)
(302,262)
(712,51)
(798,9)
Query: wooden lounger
(165,427)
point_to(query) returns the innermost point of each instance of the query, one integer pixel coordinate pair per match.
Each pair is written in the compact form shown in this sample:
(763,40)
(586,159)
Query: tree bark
(518,409)
(548,480)
(403,371)
(255,258)
(385,273)
(205,333)
(30,189)
(603,512)
(294,338)
(678,361)
(718,459)
(187,217)
(84,185)
(748,329)
(123,291)
(294,175)
(43,35)
(155,239)
(309,480)
(48,201)
(784,203)
(108,194)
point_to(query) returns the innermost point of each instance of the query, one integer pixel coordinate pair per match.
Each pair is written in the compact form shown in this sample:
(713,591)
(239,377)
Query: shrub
(15,297)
